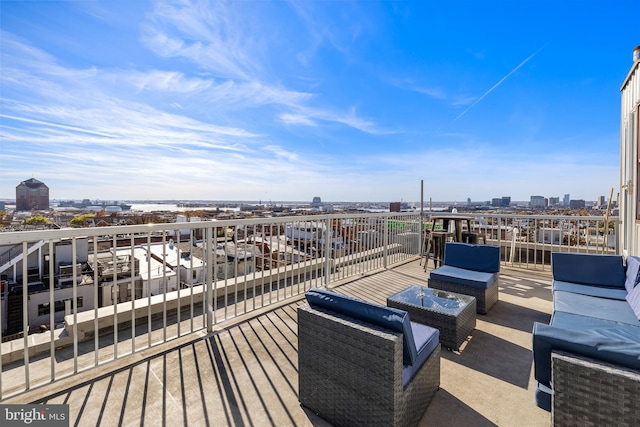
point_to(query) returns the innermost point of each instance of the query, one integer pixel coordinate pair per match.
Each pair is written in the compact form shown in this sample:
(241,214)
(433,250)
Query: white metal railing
(527,241)
(124,289)
(128,288)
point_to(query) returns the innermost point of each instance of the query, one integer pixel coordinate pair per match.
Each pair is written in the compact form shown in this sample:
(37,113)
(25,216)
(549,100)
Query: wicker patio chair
(587,392)
(470,270)
(351,372)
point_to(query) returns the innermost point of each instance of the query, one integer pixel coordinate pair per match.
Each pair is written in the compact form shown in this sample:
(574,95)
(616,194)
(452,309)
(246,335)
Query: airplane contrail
(498,84)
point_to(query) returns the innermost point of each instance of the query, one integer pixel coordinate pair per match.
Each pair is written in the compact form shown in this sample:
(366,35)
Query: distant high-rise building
(496,201)
(577,204)
(566,200)
(32,195)
(537,202)
(395,206)
(468,200)
(316,203)
(506,201)
(554,201)
(601,201)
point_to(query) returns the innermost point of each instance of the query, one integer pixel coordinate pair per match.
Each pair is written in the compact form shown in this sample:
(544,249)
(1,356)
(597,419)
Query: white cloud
(435,91)
(164,81)
(311,117)
(282,153)
(226,39)
(340,32)
(297,119)
(218,107)
(207,33)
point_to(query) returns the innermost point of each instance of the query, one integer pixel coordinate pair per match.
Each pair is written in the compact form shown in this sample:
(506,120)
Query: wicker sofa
(587,360)
(470,270)
(363,364)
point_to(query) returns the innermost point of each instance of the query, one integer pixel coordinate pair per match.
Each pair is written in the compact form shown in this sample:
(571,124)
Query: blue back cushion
(427,339)
(589,269)
(633,273)
(379,315)
(633,298)
(483,258)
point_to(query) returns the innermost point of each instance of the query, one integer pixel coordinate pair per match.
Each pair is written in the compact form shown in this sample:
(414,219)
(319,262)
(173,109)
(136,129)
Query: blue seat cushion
(589,269)
(427,339)
(484,258)
(592,290)
(379,315)
(603,328)
(602,308)
(548,338)
(462,276)
(633,273)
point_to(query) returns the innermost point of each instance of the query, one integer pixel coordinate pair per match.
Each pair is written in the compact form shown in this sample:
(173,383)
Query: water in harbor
(172,207)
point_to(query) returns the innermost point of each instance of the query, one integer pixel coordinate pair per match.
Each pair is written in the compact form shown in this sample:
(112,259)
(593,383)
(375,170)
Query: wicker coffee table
(454,315)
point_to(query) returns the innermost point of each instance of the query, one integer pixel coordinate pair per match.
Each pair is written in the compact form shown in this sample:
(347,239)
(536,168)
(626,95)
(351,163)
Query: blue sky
(350,101)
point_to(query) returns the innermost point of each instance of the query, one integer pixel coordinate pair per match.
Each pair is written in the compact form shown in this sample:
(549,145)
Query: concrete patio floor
(245,373)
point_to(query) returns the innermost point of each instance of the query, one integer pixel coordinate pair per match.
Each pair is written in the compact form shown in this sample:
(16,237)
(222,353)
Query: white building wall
(36,299)
(156,284)
(550,235)
(629,185)
(64,252)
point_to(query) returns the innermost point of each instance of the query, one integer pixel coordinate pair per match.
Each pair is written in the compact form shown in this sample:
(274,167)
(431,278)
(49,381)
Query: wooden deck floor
(245,374)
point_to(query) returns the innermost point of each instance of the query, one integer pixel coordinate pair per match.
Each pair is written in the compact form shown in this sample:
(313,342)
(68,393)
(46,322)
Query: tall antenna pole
(421,216)
(606,221)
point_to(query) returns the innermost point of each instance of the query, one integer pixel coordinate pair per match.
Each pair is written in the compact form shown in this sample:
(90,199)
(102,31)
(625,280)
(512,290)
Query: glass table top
(433,299)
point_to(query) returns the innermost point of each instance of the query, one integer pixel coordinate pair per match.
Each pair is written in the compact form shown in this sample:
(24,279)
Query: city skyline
(557,201)
(289,100)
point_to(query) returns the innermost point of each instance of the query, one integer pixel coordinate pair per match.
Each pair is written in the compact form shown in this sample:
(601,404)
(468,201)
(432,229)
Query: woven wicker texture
(350,372)
(485,298)
(592,393)
(454,329)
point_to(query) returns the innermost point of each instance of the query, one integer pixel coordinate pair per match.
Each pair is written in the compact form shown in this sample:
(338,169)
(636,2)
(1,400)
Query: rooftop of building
(33,183)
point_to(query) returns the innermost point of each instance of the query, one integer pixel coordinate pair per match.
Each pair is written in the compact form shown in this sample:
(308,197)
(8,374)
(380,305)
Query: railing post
(500,236)
(206,303)
(421,233)
(25,314)
(327,252)
(385,239)
(114,302)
